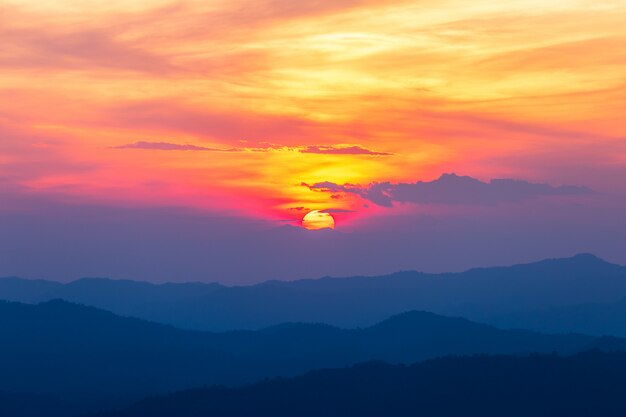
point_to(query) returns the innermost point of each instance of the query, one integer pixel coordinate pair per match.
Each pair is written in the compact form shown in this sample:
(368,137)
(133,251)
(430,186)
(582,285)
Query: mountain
(590,384)
(479,294)
(14,404)
(26,290)
(72,352)
(593,318)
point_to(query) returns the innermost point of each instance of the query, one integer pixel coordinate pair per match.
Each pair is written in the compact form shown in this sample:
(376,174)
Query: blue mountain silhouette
(484,294)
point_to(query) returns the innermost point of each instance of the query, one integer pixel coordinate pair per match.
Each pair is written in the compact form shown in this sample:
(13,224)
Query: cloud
(331,150)
(342,150)
(244,15)
(28,155)
(76,48)
(450,189)
(336,211)
(563,55)
(165,146)
(171,116)
(331,187)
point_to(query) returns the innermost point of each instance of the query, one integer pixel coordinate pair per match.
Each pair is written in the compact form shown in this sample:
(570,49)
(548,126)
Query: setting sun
(316,220)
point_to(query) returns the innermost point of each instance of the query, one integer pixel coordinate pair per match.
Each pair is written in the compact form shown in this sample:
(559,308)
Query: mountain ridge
(480,294)
(577,257)
(591,383)
(80,354)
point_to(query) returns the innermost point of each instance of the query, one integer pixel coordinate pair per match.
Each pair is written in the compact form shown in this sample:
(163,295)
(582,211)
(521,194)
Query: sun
(316,220)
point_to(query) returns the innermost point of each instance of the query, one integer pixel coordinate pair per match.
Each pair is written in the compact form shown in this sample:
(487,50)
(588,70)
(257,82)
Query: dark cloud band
(449,189)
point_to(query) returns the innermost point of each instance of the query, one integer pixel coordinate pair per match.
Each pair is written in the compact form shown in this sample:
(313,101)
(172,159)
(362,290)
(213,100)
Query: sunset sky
(265,110)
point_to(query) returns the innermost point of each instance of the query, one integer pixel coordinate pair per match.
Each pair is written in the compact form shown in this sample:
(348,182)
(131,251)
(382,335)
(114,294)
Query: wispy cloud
(326,150)
(166,146)
(37,47)
(336,211)
(339,150)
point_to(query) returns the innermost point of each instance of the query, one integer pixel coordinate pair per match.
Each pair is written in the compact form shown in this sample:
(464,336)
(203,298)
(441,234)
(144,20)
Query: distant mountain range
(544,295)
(591,384)
(592,318)
(83,355)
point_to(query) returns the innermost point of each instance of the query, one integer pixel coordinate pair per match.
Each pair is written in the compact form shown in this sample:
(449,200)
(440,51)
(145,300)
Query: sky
(438,135)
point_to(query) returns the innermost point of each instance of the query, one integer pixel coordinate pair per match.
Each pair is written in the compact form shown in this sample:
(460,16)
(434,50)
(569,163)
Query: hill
(590,384)
(73,352)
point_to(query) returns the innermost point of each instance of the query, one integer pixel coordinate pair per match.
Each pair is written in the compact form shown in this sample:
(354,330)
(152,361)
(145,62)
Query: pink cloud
(340,150)
(79,49)
(165,146)
(225,127)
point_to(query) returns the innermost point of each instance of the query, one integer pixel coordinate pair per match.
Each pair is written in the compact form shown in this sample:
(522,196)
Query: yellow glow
(426,87)
(316,220)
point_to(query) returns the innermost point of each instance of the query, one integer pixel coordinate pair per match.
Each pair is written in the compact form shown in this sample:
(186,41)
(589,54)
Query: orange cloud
(277,93)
